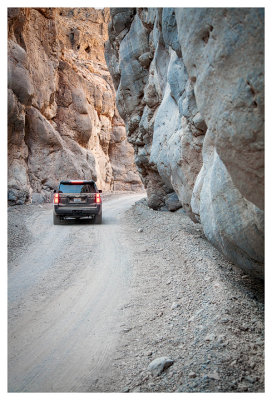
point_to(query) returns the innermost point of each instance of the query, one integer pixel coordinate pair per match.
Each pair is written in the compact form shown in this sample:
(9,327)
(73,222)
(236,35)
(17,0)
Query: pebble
(140,230)
(160,314)
(221,338)
(214,375)
(243,328)
(210,337)
(175,305)
(250,379)
(242,387)
(126,330)
(192,374)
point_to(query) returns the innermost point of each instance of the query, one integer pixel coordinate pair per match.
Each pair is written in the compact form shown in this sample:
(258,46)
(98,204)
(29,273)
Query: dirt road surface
(91,306)
(64,291)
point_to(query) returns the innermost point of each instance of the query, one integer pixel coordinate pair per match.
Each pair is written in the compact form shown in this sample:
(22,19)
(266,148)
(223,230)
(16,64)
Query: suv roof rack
(77,181)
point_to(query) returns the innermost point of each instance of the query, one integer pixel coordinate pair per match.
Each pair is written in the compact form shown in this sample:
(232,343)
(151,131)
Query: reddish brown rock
(63,122)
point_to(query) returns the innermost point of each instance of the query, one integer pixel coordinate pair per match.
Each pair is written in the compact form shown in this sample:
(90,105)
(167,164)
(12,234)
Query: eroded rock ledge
(189,86)
(63,122)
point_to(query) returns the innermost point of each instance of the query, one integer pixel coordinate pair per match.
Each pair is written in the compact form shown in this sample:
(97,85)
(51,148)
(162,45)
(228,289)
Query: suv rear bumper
(78,211)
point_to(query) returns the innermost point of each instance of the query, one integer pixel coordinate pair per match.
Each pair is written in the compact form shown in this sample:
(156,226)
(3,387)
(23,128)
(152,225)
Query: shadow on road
(86,221)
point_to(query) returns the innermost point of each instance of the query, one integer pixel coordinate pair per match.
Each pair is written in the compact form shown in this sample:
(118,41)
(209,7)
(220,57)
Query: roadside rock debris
(157,366)
(218,354)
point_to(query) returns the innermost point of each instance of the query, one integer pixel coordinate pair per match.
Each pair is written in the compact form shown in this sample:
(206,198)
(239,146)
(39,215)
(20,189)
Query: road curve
(64,296)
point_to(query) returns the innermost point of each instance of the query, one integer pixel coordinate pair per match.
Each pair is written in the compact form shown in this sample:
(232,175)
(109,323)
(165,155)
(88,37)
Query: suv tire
(98,219)
(56,219)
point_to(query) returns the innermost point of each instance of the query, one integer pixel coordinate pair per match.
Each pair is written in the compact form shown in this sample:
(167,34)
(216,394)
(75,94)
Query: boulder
(172,202)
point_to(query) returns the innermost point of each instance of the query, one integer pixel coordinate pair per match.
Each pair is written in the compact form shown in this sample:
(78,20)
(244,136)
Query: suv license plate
(77,200)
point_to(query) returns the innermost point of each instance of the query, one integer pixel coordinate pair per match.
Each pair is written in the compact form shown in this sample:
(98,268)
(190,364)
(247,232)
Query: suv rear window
(77,188)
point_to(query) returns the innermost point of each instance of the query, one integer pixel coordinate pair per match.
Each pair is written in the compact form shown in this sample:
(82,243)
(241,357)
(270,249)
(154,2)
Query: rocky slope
(62,119)
(189,86)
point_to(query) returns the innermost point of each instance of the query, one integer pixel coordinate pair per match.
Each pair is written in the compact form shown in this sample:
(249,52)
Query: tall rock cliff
(63,122)
(189,86)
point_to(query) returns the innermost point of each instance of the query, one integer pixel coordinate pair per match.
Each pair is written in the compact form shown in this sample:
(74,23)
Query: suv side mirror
(99,191)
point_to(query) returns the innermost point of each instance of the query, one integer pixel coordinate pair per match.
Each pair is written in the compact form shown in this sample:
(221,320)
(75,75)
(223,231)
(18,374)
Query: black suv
(77,199)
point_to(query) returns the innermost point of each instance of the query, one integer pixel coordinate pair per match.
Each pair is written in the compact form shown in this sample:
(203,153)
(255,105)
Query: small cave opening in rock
(251,88)
(205,37)
(88,49)
(72,38)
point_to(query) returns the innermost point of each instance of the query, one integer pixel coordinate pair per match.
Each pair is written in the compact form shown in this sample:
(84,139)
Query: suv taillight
(97,198)
(56,198)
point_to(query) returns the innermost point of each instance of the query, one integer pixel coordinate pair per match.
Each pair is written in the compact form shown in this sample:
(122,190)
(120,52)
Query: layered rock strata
(189,86)
(62,118)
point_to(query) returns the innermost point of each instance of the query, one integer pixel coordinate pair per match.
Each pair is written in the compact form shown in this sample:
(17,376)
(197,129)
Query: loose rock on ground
(186,303)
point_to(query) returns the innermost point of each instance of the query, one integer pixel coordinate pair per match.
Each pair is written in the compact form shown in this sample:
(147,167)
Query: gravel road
(65,284)
(90,307)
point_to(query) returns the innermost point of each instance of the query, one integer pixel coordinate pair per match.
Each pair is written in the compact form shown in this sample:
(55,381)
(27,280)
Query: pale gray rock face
(136,97)
(232,223)
(180,73)
(223,52)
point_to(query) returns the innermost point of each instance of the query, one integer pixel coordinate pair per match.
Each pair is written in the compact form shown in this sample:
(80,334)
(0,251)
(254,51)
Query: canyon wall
(190,87)
(62,118)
